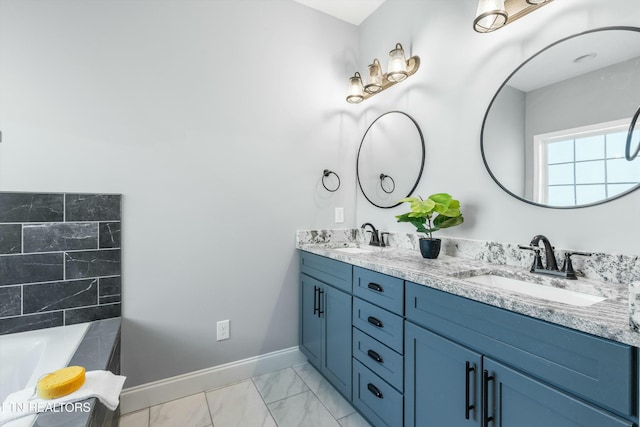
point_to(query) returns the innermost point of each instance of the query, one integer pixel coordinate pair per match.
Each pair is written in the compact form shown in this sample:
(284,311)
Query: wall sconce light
(398,70)
(494,14)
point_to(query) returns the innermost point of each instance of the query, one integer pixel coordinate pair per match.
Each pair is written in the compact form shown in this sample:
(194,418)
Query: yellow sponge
(61,382)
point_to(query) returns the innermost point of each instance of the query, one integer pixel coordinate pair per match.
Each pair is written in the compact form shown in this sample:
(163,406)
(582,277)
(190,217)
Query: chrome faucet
(375,238)
(551,268)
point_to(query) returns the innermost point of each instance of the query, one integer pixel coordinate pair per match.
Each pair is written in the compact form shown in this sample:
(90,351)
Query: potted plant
(432,214)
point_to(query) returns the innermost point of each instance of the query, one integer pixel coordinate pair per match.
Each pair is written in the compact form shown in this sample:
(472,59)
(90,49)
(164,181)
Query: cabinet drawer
(385,362)
(382,325)
(379,289)
(330,271)
(377,400)
(596,369)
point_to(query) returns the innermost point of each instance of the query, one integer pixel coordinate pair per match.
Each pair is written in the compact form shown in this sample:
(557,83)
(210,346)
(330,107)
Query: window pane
(561,196)
(560,152)
(620,170)
(615,145)
(590,172)
(560,174)
(615,189)
(590,148)
(589,193)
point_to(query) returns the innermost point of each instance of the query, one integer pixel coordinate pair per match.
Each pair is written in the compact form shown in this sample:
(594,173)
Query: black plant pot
(430,248)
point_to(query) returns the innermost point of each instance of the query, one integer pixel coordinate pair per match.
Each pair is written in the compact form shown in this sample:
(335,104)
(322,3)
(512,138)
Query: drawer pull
(485,398)
(315,300)
(374,390)
(375,356)
(375,287)
(467,407)
(374,321)
(320,293)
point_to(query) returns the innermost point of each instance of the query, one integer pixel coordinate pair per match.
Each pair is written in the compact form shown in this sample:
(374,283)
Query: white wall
(504,140)
(448,96)
(215,120)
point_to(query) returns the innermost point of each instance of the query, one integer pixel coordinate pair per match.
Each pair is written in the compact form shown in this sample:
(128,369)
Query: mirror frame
(486,115)
(421,164)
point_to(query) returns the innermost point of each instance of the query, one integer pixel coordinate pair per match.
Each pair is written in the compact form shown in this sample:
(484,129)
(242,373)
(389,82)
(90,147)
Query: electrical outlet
(223,330)
(339,215)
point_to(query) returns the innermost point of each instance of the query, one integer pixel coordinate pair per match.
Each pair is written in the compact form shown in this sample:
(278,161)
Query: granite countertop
(608,319)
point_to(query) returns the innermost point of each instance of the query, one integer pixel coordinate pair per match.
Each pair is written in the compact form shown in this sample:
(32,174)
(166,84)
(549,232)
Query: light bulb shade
(490,16)
(374,79)
(355,93)
(397,70)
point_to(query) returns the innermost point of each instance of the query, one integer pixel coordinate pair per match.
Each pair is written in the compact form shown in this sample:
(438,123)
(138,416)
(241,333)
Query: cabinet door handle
(375,356)
(485,398)
(467,407)
(375,391)
(315,300)
(320,293)
(375,287)
(374,321)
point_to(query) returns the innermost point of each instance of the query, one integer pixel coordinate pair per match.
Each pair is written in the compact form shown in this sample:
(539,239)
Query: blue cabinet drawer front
(330,271)
(385,362)
(596,369)
(377,400)
(382,325)
(380,289)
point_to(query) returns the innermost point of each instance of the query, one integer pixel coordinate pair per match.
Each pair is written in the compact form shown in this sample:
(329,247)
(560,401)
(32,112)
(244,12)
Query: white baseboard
(139,397)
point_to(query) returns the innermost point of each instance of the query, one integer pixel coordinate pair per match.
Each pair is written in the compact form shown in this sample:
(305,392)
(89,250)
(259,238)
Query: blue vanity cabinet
(499,368)
(378,347)
(325,318)
(311,323)
(515,399)
(442,382)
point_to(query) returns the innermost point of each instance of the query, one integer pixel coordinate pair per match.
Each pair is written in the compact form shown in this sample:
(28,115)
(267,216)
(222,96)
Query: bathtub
(26,356)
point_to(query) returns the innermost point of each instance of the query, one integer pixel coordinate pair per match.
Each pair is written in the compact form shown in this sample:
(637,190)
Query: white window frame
(540,141)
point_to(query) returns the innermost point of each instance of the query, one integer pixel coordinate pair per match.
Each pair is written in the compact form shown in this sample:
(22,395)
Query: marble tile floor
(292,397)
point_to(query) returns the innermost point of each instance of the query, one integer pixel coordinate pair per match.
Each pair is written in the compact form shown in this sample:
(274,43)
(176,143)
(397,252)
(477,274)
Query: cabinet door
(310,321)
(517,400)
(336,313)
(442,381)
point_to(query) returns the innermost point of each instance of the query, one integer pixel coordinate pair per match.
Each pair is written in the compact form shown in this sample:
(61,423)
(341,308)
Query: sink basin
(354,250)
(548,293)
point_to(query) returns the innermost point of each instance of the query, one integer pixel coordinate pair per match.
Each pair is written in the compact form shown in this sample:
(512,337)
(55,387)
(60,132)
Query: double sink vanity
(455,342)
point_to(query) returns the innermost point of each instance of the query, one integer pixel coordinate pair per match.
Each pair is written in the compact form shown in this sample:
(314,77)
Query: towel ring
(393,183)
(627,150)
(325,174)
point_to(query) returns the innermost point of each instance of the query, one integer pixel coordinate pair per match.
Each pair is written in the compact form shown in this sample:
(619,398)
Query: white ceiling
(557,63)
(352,11)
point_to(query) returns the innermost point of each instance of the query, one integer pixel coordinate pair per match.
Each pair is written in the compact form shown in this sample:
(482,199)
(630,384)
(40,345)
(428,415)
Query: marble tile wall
(59,259)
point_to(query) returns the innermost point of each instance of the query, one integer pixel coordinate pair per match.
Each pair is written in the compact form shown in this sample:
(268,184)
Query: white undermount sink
(539,291)
(354,250)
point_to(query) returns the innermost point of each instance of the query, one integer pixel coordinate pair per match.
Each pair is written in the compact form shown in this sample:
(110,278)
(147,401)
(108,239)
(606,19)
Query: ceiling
(352,11)
(558,63)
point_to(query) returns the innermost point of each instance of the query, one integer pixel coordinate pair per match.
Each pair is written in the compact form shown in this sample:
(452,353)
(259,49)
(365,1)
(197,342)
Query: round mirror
(633,138)
(390,159)
(555,133)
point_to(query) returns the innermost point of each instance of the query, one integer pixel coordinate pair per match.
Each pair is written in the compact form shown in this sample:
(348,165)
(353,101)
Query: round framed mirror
(555,133)
(390,159)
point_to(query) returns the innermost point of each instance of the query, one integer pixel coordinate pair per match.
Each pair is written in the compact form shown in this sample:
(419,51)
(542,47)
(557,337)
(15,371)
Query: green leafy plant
(441,205)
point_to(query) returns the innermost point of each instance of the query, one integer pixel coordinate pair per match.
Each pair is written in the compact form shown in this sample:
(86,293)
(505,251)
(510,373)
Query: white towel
(102,385)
